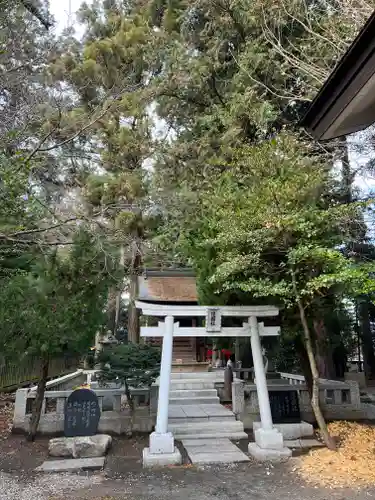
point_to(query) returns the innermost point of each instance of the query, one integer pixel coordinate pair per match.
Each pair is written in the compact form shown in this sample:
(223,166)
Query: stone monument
(81,420)
(82,414)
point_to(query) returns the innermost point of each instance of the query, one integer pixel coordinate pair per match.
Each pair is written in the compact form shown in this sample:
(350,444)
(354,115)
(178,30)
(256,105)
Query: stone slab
(176,401)
(188,394)
(222,442)
(268,455)
(233,436)
(176,412)
(213,451)
(216,410)
(303,443)
(194,411)
(291,431)
(151,460)
(204,411)
(72,465)
(310,443)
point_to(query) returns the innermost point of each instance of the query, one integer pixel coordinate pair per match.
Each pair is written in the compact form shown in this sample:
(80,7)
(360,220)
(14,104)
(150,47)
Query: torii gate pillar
(162,450)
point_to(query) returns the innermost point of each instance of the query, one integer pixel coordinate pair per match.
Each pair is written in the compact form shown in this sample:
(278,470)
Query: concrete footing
(162,451)
(161,459)
(268,455)
(269,439)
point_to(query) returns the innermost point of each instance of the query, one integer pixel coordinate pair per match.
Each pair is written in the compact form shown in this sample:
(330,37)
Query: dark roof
(346,102)
(169,272)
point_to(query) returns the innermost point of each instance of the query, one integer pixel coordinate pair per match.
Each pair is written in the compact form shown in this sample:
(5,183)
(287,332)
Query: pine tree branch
(33,9)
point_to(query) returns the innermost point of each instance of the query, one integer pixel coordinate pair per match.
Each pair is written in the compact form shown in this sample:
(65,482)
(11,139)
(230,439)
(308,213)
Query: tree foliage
(131,365)
(54,309)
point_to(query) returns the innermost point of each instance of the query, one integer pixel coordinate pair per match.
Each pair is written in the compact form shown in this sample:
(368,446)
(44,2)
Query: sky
(64,12)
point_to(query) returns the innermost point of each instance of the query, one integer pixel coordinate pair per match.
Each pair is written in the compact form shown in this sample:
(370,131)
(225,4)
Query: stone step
(232,429)
(197,400)
(232,435)
(197,375)
(213,451)
(189,393)
(199,413)
(200,419)
(193,385)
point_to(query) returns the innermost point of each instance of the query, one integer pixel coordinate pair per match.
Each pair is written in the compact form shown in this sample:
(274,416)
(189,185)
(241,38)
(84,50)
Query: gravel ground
(124,478)
(46,487)
(236,482)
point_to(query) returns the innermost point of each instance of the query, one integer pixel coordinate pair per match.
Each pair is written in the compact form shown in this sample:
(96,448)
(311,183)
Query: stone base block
(269,439)
(268,455)
(80,446)
(161,443)
(291,431)
(161,459)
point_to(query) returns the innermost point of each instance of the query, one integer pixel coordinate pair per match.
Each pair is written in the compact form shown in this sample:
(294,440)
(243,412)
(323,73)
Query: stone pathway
(213,451)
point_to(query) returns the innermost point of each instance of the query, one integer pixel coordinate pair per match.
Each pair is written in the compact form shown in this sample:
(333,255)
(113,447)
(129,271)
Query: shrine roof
(168,286)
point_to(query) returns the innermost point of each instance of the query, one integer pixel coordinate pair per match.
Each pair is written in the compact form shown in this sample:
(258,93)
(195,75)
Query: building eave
(346,102)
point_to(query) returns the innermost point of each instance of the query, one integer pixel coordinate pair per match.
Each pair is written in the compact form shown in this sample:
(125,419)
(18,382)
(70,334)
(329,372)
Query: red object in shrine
(227,353)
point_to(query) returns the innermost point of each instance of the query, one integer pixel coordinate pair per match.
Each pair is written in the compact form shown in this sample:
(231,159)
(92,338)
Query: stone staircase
(195,411)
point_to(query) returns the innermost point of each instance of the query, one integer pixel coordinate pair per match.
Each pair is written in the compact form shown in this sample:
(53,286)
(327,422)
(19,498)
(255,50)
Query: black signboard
(285,407)
(82,413)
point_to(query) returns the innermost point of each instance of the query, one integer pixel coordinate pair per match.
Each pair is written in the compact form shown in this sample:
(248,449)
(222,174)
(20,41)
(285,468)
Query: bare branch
(268,89)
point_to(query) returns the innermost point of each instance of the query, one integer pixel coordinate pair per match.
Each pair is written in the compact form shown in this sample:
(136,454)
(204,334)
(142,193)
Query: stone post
(117,402)
(165,376)
(269,443)
(19,415)
(162,450)
(214,356)
(60,405)
(154,399)
(228,380)
(260,376)
(238,396)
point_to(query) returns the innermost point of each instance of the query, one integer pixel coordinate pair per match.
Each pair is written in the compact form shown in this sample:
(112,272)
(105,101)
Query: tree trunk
(38,401)
(315,404)
(305,364)
(330,443)
(130,402)
(119,293)
(111,310)
(346,174)
(323,350)
(133,315)
(366,337)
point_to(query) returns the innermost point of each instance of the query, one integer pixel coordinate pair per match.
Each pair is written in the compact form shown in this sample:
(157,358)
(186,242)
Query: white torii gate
(162,450)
